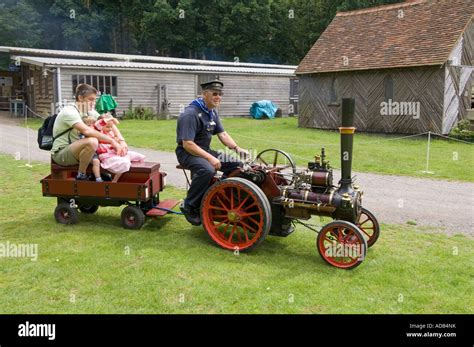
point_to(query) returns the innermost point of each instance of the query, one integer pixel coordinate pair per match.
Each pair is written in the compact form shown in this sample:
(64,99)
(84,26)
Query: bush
(139,112)
(462,131)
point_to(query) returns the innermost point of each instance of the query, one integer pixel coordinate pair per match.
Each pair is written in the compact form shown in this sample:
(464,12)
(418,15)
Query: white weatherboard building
(44,78)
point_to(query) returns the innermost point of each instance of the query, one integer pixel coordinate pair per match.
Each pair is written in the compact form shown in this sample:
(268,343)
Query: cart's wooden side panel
(89,188)
(104,190)
(131,191)
(141,183)
(156,182)
(55,187)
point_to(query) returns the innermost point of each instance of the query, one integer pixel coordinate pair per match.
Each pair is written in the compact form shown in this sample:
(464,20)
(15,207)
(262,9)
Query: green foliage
(462,131)
(348,5)
(140,112)
(19,24)
(277,31)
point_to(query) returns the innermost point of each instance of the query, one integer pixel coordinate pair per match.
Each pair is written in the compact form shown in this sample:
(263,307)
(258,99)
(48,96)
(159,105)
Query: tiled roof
(413,33)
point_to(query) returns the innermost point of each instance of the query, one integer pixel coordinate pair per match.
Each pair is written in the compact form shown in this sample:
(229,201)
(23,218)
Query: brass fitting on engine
(346,200)
(346,197)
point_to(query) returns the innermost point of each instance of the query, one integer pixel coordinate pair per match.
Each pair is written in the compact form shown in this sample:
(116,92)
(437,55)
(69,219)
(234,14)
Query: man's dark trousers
(202,173)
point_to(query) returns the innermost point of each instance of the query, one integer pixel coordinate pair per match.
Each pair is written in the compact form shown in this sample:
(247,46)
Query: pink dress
(109,160)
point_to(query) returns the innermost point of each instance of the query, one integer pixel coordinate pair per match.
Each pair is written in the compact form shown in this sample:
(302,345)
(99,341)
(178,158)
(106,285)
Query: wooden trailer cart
(138,189)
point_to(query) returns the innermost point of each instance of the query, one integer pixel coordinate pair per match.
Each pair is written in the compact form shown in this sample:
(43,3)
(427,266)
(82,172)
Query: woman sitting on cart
(68,147)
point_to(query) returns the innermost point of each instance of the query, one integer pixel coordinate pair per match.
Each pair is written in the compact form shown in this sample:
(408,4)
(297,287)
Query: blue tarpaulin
(263,108)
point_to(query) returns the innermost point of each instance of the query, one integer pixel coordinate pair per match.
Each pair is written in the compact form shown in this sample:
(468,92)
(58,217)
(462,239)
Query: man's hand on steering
(242,152)
(216,163)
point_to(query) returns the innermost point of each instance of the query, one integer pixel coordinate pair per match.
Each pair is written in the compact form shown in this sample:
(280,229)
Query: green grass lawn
(372,153)
(168,266)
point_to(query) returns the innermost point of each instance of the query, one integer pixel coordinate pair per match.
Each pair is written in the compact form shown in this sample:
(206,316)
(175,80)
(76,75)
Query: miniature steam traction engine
(267,197)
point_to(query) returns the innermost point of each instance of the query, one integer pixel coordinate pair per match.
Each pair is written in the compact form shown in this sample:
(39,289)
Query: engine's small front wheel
(342,244)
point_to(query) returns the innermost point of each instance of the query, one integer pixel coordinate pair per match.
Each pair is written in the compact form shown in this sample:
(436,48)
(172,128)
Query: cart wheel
(236,214)
(88,208)
(342,244)
(65,214)
(132,217)
(369,226)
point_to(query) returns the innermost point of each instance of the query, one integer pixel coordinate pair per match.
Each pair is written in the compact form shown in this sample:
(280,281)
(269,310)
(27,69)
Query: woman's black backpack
(45,133)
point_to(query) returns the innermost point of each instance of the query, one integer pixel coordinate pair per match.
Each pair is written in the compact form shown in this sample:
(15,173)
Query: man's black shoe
(191,216)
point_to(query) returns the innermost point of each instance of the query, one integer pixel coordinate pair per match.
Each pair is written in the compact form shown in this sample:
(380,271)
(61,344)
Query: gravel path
(446,206)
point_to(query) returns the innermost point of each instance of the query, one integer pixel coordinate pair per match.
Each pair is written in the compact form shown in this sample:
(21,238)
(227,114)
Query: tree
(19,24)
(265,31)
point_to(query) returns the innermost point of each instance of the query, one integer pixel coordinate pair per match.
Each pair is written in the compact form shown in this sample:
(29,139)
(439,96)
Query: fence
(429,135)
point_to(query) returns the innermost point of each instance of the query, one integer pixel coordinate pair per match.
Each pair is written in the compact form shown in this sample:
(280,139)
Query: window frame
(333,92)
(97,81)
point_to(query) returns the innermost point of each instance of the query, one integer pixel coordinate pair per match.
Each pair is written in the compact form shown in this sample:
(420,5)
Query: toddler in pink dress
(109,160)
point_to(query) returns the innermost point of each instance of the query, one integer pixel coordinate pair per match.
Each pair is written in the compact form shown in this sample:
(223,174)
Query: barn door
(293,109)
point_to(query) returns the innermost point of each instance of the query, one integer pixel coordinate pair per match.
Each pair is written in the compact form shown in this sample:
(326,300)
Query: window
(388,85)
(113,86)
(74,84)
(104,84)
(333,97)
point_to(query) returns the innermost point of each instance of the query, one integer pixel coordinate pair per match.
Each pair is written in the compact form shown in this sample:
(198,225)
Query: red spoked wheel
(342,244)
(236,214)
(369,226)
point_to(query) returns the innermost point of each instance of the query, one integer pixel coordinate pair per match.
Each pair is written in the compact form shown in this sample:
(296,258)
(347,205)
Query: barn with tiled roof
(409,66)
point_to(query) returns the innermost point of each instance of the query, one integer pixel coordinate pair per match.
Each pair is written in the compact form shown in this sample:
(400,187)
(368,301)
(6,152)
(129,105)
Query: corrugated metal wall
(241,91)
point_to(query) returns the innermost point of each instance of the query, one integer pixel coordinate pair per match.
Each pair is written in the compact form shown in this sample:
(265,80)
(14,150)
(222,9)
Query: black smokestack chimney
(347,136)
